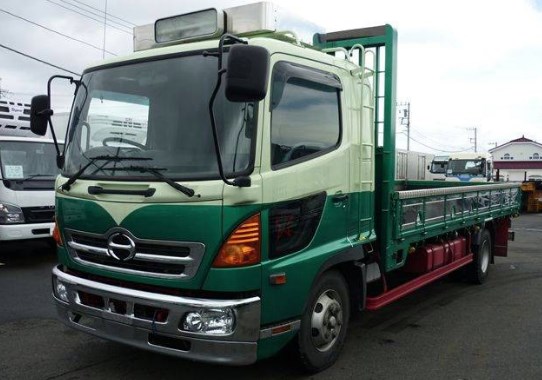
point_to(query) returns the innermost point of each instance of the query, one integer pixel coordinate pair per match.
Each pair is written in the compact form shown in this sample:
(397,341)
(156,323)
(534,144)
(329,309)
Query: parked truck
(469,167)
(411,165)
(438,167)
(260,207)
(27,174)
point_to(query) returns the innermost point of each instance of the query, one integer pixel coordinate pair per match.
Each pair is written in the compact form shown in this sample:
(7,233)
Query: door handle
(339,199)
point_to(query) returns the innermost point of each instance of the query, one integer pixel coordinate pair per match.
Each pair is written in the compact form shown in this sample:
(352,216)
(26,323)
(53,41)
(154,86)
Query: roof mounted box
(244,20)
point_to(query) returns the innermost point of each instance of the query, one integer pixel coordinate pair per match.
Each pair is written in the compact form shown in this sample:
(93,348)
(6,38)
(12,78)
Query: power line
(433,140)
(87,16)
(99,10)
(55,31)
(100,14)
(438,150)
(39,60)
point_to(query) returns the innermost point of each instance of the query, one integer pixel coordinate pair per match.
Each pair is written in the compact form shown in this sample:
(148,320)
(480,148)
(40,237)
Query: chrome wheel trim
(484,257)
(326,320)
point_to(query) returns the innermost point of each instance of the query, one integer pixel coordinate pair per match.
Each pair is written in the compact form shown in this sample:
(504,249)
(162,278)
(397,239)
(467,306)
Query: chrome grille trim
(163,259)
(184,263)
(88,248)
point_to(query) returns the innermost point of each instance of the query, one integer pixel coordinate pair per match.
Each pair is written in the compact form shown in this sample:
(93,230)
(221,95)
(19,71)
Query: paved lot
(449,330)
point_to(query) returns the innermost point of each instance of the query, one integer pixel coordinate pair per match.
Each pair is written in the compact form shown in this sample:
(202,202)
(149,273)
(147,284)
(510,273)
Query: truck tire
(324,323)
(478,270)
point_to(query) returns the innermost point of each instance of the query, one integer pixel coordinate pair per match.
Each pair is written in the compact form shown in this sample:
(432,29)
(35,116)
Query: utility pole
(105,29)
(3,92)
(404,115)
(475,139)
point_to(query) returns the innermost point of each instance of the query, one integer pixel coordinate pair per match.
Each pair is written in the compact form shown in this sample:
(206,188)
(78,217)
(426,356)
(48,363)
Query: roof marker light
(204,24)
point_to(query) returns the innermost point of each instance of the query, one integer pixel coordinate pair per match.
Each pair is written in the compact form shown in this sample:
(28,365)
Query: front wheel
(479,268)
(324,323)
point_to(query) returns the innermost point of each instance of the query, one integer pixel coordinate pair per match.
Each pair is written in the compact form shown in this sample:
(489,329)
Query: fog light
(61,291)
(209,321)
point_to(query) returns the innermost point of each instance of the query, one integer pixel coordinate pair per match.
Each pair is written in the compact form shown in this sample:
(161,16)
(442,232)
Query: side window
(305,113)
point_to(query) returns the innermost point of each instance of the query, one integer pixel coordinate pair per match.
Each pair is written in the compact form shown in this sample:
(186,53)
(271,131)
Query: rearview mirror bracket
(41,113)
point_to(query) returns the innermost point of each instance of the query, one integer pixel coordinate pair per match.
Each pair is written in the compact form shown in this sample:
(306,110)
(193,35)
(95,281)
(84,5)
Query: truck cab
(27,176)
(469,167)
(438,167)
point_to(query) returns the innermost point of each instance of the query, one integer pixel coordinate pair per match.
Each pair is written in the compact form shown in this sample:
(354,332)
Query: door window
(305,114)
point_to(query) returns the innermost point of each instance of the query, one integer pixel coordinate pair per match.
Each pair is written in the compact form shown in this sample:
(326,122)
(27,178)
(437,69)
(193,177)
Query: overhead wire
(55,31)
(432,140)
(39,60)
(438,150)
(100,14)
(130,24)
(89,17)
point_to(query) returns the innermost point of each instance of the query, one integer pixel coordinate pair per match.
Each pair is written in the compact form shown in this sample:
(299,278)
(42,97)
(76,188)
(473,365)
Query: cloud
(461,64)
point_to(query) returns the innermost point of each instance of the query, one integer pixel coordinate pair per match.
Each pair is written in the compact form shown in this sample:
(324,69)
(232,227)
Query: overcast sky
(462,64)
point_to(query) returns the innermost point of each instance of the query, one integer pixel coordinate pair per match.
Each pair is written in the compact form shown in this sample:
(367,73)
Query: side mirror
(39,114)
(246,78)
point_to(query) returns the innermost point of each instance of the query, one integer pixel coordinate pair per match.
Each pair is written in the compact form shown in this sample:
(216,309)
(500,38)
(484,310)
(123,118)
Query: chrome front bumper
(105,320)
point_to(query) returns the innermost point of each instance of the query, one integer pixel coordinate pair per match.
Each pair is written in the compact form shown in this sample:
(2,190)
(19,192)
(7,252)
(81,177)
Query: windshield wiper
(34,176)
(156,172)
(67,185)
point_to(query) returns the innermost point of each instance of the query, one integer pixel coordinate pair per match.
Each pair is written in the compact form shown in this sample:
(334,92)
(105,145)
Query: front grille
(43,214)
(118,250)
(143,266)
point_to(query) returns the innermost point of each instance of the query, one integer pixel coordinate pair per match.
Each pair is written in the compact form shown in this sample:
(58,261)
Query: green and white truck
(245,199)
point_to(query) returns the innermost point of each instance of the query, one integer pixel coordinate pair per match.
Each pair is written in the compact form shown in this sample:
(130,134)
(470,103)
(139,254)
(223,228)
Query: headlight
(10,214)
(209,321)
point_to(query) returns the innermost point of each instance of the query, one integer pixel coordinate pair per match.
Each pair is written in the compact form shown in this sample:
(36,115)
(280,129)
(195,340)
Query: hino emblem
(121,247)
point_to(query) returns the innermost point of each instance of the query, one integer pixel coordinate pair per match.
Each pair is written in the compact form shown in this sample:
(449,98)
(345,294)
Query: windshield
(28,165)
(472,167)
(158,110)
(439,166)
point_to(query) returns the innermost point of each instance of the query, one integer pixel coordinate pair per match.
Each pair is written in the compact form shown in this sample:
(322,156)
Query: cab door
(305,167)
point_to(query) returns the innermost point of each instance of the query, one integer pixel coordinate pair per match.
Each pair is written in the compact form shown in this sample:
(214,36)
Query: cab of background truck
(469,167)
(305,153)
(438,167)
(27,176)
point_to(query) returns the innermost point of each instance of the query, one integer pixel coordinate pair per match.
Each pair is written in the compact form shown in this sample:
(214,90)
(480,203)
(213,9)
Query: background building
(518,159)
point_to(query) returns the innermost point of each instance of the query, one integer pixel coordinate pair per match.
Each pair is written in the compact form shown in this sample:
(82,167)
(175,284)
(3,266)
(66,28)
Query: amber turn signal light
(242,247)
(56,235)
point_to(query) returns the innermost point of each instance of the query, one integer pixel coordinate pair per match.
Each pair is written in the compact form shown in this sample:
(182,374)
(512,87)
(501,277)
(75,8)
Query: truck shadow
(27,253)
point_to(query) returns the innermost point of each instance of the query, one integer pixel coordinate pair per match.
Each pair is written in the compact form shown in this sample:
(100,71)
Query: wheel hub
(326,321)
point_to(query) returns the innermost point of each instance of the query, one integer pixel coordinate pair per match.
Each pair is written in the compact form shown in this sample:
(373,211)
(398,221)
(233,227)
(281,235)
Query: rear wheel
(479,268)
(324,323)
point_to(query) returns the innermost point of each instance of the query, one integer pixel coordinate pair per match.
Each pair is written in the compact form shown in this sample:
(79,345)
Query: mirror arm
(241,181)
(221,43)
(215,133)
(49,113)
